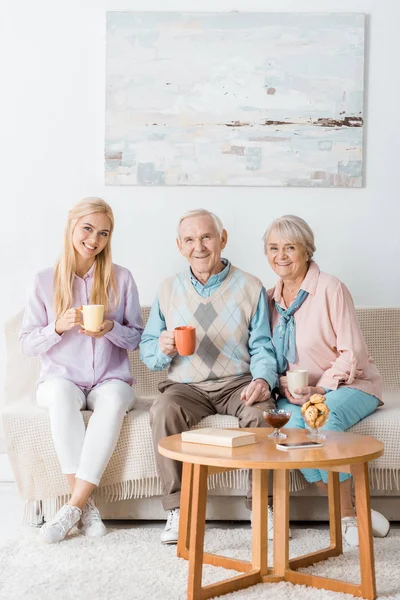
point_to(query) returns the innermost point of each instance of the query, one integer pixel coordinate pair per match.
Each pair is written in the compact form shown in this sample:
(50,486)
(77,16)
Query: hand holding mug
(104,328)
(283,385)
(166,341)
(70,319)
(305,394)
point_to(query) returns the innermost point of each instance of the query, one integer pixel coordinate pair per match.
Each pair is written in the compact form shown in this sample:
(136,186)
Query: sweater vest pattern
(222,325)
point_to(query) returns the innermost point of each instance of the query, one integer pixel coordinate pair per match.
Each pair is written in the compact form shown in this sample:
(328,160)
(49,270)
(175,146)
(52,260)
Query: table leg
(197,529)
(335,521)
(182,549)
(198,498)
(260,521)
(281,521)
(366,547)
(367,588)
(335,527)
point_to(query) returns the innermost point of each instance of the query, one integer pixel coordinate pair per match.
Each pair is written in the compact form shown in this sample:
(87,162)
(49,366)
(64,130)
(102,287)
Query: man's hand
(257,391)
(104,328)
(306,392)
(166,341)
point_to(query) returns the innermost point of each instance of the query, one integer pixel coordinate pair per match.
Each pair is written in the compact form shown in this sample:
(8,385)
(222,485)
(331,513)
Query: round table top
(339,448)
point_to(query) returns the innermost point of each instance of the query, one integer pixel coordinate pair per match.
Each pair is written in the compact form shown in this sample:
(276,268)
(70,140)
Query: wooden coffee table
(341,452)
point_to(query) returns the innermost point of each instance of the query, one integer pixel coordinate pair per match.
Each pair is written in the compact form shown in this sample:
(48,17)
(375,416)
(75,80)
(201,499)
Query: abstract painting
(250,99)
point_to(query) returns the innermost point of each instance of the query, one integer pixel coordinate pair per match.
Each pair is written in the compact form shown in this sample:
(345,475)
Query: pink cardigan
(329,341)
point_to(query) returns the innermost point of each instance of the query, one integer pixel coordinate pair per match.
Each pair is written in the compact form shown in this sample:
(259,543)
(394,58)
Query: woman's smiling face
(288,259)
(91,235)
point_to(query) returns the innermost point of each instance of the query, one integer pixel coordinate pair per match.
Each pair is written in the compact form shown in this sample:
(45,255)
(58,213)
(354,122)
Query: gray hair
(202,212)
(293,229)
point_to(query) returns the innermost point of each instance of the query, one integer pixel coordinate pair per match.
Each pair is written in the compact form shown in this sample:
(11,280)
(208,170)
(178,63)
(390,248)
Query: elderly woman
(315,328)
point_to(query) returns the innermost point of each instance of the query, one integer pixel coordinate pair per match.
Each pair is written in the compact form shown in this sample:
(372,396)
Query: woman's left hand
(104,328)
(306,393)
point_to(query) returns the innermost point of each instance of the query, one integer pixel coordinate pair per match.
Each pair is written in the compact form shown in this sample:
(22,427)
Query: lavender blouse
(86,361)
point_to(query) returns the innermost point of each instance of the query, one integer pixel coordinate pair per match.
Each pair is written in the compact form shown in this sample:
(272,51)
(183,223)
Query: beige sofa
(131,488)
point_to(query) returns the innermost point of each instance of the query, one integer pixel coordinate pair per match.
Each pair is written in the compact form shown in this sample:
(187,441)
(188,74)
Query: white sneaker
(270,523)
(380,524)
(171,530)
(61,524)
(380,527)
(350,530)
(92,525)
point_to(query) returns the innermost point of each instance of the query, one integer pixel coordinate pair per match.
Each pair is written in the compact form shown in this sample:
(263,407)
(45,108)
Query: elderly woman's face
(288,259)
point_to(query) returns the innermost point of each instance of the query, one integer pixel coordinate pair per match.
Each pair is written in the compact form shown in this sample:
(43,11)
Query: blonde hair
(293,229)
(64,273)
(202,212)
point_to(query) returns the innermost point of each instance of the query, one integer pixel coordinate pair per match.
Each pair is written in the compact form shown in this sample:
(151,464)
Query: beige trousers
(180,407)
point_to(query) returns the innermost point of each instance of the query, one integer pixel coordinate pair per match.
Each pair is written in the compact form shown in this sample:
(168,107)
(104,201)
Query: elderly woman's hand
(306,392)
(283,386)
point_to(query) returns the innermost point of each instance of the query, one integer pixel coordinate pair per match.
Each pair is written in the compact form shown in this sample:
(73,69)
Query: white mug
(93,315)
(297,378)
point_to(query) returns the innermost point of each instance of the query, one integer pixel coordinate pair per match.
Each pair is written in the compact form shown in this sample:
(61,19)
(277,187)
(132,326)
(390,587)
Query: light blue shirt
(262,354)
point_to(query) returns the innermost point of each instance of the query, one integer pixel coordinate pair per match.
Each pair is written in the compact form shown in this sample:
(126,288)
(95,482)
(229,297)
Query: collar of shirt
(89,274)
(309,284)
(213,282)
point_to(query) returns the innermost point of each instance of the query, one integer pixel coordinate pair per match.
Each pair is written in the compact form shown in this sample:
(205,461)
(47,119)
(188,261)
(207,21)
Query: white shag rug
(131,564)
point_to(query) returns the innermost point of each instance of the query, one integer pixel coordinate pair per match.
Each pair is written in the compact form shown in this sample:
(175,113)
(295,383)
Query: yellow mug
(93,316)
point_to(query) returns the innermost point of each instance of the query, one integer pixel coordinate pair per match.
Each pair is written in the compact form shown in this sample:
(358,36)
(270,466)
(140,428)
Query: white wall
(51,154)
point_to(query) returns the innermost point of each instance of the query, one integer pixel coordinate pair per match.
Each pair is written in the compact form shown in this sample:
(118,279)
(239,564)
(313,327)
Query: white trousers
(85,452)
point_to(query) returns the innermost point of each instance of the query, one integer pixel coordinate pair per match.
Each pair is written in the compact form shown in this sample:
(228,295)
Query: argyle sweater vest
(222,325)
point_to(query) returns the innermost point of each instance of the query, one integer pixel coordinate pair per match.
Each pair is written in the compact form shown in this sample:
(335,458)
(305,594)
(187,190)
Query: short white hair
(202,212)
(294,229)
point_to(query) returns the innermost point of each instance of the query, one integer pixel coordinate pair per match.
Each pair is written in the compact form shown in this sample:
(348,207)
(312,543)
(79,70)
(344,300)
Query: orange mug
(185,340)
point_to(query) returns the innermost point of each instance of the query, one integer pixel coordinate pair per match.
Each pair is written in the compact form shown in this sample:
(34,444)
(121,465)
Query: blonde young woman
(81,369)
(315,327)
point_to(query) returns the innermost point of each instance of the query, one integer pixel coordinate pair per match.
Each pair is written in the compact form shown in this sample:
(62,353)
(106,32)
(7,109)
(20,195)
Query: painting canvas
(251,99)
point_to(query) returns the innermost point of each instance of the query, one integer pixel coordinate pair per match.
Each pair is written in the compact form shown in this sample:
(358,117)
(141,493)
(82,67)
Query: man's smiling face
(202,245)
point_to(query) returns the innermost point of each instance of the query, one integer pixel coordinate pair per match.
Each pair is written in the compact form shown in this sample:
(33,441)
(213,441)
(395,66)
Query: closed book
(231,438)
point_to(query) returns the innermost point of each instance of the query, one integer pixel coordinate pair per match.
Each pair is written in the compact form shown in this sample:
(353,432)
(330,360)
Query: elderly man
(234,365)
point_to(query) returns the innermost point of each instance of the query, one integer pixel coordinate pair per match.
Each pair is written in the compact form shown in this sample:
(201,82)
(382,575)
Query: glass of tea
(277,418)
